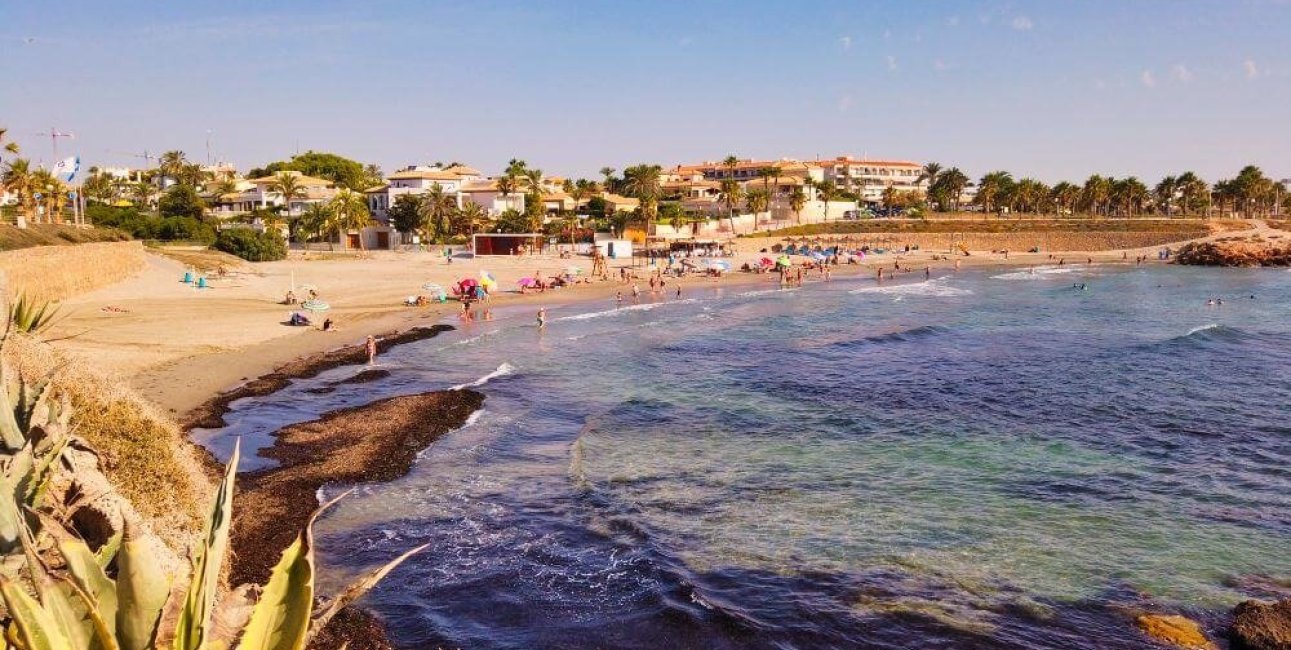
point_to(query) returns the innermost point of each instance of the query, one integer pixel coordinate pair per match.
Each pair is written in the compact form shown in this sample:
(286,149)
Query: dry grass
(12,238)
(203,259)
(59,272)
(142,452)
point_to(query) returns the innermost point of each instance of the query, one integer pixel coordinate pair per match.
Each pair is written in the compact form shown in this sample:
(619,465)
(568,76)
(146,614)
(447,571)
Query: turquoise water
(986,459)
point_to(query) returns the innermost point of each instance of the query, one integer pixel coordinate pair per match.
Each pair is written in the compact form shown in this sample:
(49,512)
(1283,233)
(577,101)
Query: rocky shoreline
(1235,253)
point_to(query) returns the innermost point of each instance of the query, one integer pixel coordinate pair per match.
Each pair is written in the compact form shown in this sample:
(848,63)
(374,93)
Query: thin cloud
(892,62)
(1252,71)
(953,21)
(1022,24)
(1147,79)
(845,42)
(1181,73)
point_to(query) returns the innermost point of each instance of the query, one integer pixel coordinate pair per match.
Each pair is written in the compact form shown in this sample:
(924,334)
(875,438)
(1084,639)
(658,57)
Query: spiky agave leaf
(356,590)
(195,616)
(142,590)
(280,620)
(35,627)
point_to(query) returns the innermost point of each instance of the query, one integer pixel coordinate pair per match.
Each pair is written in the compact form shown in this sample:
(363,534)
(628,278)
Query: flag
(65,169)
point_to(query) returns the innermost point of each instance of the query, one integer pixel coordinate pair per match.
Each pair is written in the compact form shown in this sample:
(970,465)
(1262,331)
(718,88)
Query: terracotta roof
(377,188)
(848,160)
(463,170)
(481,186)
(430,175)
(617,198)
(304,180)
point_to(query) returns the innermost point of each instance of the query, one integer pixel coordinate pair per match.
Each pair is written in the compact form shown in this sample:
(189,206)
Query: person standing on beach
(371,346)
(927,272)
(618,298)
(542,318)
(880,274)
(679,292)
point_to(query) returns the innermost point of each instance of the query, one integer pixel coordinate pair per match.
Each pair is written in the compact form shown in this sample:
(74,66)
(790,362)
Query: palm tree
(316,221)
(757,201)
(170,165)
(731,192)
(1128,194)
(891,196)
(1194,192)
(798,201)
(51,191)
(991,188)
(930,173)
(534,178)
(954,181)
(142,193)
(18,179)
(1064,196)
(608,173)
(474,216)
(437,210)
(642,181)
(350,211)
(7,147)
(826,191)
(287,185)
(506,184)
(1096,194)
(1164,194)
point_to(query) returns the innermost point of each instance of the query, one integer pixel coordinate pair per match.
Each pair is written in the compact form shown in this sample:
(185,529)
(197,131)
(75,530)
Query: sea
(1008,458)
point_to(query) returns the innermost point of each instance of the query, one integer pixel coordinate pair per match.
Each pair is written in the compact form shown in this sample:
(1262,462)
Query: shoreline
(189,384)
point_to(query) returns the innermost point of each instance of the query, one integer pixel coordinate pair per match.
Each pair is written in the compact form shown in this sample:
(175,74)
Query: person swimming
(542,318)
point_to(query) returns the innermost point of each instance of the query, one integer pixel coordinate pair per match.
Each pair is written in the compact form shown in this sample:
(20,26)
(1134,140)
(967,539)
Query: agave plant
(26,316)
(87,609)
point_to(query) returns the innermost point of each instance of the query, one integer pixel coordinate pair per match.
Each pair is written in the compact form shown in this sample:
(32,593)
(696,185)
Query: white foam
(1038,273)
(765,292)
(932,288)
(620,310)
(502,371)
(1202,328)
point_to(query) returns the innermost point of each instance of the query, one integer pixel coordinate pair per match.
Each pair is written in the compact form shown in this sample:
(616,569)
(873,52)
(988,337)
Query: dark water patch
(211,414)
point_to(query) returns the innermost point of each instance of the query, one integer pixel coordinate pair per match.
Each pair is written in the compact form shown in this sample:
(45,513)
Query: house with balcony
(868,178)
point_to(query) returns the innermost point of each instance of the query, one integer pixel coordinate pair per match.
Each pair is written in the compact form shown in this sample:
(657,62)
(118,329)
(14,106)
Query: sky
(1051,90)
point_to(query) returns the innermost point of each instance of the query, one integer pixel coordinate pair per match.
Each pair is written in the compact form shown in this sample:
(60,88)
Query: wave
(932,288)
(1037,273)
(898,336)
(619,310)
(1212,333)
(502,371)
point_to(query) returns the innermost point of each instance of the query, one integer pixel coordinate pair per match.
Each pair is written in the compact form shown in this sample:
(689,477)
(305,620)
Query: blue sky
(1056,90)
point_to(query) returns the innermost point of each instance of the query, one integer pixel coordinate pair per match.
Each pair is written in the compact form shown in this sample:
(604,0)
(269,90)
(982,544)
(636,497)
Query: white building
(867,179)
(258,193)
(419,179)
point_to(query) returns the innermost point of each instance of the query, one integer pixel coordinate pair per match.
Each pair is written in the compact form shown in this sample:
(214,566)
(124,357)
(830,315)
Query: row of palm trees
(1250,193)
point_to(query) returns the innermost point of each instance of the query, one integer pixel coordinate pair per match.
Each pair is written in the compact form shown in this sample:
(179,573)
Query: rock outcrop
(1258,625)
(1178,631)
(1235,253)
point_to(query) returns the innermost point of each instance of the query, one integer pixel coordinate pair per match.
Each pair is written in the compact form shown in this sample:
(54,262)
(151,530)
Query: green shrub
(251,245)
(185,229)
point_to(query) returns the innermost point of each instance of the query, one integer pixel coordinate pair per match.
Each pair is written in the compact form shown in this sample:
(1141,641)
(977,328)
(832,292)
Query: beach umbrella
(783,260)
(434,290)
(766,261)
(526,282)
(721,265)
(317,306)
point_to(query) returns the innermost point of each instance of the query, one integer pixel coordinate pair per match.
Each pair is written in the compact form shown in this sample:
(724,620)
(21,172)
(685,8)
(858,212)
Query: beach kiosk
(498,244)
(615,249)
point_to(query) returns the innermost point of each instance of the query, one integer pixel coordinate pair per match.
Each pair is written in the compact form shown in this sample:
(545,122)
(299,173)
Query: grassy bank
(14,238)
(141,451)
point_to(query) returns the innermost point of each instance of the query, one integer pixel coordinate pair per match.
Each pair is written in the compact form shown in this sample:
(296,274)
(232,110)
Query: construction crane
(147,159)
(53,135)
